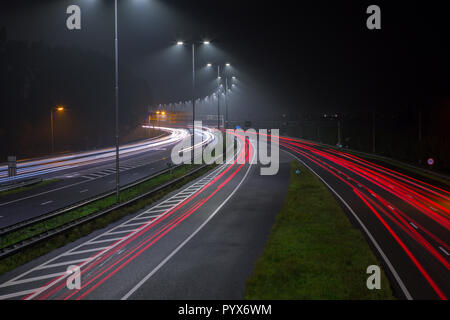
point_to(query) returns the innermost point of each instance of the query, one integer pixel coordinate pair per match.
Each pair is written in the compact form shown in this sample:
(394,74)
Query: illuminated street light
(60,109)
(209,65)
(193,91)
(227,64)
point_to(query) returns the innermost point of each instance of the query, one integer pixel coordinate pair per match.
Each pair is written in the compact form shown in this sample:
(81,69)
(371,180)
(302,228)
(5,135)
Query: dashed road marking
(444,251)
(85,190)
(48,202)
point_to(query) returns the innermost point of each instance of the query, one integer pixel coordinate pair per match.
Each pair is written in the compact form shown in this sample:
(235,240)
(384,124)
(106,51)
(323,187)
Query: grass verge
(31,253)
(313,252)
(30,187)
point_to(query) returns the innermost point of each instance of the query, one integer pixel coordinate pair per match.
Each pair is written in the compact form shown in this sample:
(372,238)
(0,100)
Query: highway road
(201,241)
(405,220)
(194,243)
(84,175)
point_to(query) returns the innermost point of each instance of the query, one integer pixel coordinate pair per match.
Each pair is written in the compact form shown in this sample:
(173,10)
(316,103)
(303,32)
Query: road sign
(12,166)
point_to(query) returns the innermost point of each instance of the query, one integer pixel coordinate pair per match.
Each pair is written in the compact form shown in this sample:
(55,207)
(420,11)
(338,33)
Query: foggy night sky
(297,56)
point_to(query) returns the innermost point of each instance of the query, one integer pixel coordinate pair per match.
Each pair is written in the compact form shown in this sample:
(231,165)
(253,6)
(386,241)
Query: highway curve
(405,220)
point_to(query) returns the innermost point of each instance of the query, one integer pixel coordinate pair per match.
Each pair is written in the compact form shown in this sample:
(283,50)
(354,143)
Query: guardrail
(26,243)
(19,184)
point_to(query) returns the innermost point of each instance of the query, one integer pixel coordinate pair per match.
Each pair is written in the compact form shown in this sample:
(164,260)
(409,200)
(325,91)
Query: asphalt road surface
(85,178)
(199,242)
(406,221)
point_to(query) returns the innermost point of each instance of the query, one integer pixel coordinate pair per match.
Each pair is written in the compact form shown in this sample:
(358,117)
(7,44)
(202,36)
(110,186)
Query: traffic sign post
(12,166)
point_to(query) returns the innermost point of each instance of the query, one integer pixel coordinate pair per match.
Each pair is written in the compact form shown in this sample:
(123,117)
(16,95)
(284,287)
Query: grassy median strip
(313,252)
(31,253)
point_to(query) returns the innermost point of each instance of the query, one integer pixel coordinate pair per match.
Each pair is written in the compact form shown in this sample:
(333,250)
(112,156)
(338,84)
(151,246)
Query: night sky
(292,56)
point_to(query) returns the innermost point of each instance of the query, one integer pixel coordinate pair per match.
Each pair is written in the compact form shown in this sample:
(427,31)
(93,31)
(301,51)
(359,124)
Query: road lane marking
(48,202)
(118,232)
(146,217)
(51,275)
(84,251)
(102,241)
(85,190)
(134,224)
(415,227)
(162,263)
(18,294)
(97,255)
(374,242)
(60,264)
(444,251)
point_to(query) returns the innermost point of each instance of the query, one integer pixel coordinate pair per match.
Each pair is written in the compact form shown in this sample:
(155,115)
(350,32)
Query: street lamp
(116,71)
(218,95)
(180,43)
(60,109)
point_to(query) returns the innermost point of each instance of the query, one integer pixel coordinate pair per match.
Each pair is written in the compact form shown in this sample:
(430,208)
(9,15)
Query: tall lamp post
(59,108)
(180,43)
(209,65)
(116,54)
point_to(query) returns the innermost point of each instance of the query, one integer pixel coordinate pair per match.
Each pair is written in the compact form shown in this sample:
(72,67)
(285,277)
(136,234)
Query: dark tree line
(35,77)
(411,136)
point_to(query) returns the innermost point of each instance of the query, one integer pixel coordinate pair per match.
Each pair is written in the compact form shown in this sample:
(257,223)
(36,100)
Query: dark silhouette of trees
(34,77)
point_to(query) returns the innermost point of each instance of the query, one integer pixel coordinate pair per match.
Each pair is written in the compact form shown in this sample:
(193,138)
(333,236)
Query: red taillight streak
(428,278)
(150,244)
(365,199)
(433,215)
(408,229)
(395,173)
(150,225)
(241,154)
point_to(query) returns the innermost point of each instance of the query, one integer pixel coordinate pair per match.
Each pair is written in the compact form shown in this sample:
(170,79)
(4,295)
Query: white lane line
(119,232)
(375,243)
(50,275)
(165,205)
(48,202)
(84,251)
(18,294)
(131,233)
(444,251)
(146,217)
(414,226)
(155,210)
(134,224)
(60,264)
(162,263)
(95,175)
(85,190)
(172,201)
(106,240)
(178,197)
